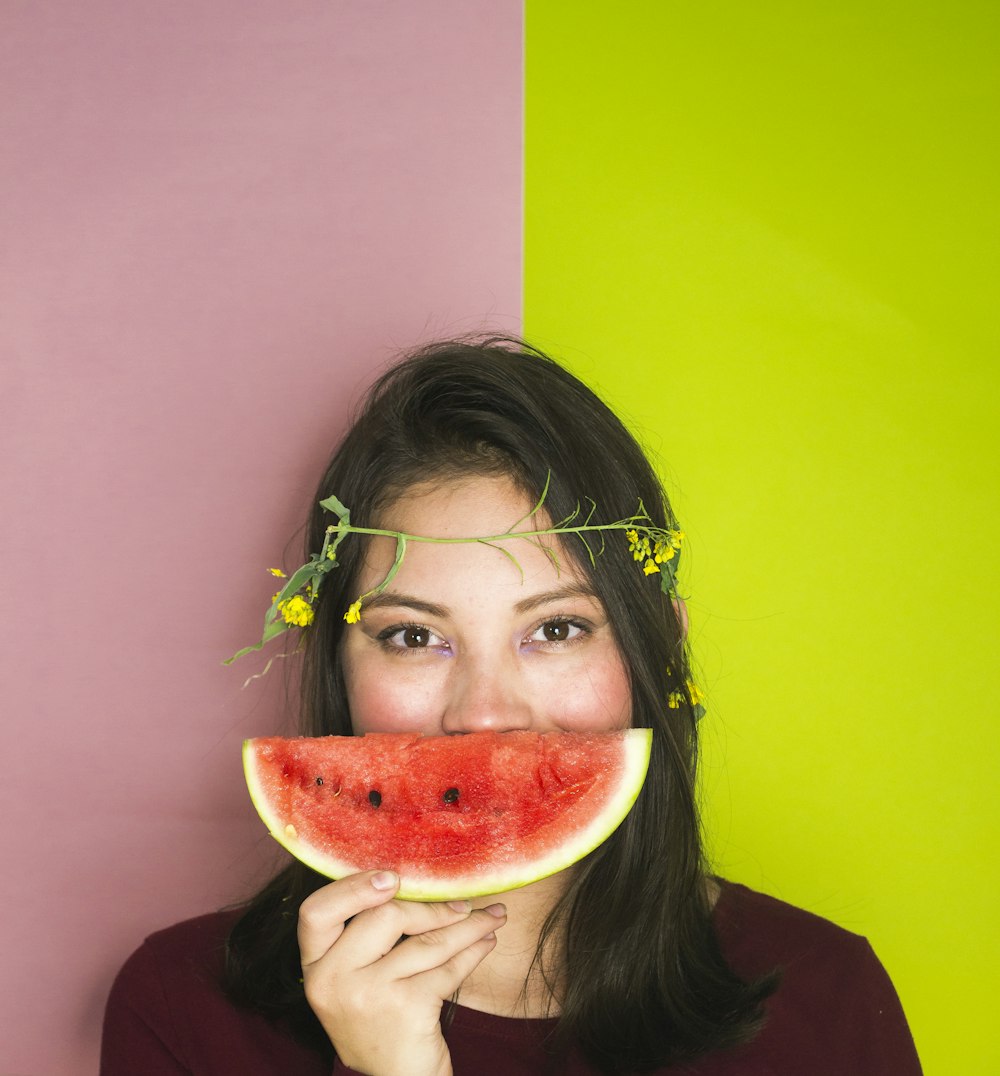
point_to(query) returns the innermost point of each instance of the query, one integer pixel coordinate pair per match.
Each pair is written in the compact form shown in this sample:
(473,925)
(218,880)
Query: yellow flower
(676,698)
(649,567)
(663,552)
(639,547)
(353,615)
(676,537)
(278,572)
(296,611)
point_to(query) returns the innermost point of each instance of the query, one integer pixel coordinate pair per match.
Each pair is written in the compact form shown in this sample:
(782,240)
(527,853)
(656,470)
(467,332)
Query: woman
(636,959)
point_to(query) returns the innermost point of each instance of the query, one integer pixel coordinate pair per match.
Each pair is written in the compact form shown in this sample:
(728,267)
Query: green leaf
(332,504)
(271,631)
(400,553)
(541,501)
(590,552)
(306,574)
(506,552)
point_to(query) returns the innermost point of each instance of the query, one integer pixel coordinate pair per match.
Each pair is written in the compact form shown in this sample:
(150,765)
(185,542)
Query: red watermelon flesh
(454,816)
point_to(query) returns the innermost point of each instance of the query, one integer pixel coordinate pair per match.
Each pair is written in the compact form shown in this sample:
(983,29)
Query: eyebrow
(570,590)
(393,598)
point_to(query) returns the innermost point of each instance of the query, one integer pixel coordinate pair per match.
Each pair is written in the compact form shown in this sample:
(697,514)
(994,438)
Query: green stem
(622,525)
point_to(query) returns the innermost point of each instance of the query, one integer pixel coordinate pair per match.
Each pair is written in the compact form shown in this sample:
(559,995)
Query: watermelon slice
(454,816)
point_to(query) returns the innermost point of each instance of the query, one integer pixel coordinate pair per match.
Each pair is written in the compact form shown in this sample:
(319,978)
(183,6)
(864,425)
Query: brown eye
(401,637)
(414,638)
(558,630)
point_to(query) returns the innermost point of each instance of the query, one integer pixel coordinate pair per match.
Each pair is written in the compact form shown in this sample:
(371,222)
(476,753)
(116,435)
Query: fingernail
(460,905)
(497,910)
(384,880)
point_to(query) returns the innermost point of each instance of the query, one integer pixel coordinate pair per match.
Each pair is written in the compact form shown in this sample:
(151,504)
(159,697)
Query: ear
(682,615)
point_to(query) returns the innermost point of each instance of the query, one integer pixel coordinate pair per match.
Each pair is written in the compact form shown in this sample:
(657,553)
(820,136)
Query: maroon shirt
(835,1012)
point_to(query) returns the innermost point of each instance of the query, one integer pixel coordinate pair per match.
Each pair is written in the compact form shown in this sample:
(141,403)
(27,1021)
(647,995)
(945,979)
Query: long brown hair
(644,982)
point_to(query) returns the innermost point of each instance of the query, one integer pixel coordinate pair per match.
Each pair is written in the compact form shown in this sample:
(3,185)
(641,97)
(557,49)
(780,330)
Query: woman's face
(462,640)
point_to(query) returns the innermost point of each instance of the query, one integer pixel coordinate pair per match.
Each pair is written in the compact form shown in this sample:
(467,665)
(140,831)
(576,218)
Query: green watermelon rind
(636,748)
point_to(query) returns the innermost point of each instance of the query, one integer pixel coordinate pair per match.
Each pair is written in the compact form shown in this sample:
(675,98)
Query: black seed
(375,798)
(319,780)
(451,795)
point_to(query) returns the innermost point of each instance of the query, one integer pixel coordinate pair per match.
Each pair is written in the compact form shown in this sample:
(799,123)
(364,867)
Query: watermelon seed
(375,798)
(451,795)
(319,780)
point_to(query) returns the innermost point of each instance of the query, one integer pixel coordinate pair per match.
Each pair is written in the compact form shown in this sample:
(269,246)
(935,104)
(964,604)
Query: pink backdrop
(220,219)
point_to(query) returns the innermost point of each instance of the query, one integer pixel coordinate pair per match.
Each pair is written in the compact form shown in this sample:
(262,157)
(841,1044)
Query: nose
(487,696)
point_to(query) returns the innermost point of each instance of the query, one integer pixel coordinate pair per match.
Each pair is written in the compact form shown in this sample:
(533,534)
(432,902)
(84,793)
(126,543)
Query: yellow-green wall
(768,232)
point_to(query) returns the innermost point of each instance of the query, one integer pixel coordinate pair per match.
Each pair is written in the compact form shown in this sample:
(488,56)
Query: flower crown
(656,549)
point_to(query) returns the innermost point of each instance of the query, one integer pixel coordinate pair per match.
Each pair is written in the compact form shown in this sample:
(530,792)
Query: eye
(409,637)
(414,638)
(557,630)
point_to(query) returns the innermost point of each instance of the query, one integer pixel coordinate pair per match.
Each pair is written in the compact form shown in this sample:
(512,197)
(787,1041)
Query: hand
(379,998)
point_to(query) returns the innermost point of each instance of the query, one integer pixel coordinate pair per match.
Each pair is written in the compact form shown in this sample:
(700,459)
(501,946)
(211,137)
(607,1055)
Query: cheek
(380,701)
(598,698)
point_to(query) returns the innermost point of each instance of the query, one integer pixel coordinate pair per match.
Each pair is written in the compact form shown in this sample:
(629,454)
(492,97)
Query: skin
(462,641)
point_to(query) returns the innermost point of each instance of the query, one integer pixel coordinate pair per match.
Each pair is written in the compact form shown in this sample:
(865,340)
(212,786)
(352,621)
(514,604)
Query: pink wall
(221,218)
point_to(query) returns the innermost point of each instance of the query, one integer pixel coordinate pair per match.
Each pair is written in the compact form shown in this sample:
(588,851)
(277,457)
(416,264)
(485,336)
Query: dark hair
(643,982)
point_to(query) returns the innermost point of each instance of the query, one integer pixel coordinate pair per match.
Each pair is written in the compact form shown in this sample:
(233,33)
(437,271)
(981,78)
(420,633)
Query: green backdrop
(768,232)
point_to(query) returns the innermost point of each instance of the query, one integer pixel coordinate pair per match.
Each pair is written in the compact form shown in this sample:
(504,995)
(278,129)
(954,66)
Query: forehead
(476,507)
(471,506)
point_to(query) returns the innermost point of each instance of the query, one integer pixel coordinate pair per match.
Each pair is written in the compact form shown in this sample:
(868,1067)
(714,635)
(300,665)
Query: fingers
(376,933)
(323,914)
(453,947)
(445,979)
(359,916)
(370,962)
(354,928)
(439,962)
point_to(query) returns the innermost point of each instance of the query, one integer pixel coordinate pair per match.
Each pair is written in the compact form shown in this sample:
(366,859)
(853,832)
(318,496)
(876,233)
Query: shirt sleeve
(835,1012)
(878,1041)
(167,1015)
(835,1009)
(138,1033)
